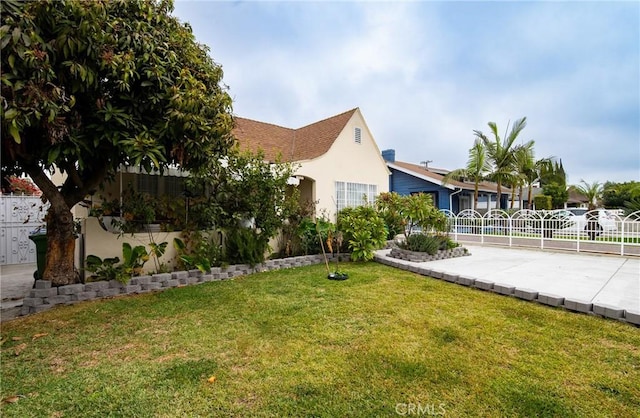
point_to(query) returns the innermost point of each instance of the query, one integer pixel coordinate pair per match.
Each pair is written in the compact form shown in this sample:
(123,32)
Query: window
(148,183)
(174,186)
(158,185)
(358,135)
(354,194)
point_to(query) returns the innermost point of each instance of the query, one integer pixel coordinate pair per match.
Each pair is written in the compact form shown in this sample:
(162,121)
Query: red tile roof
(300,144)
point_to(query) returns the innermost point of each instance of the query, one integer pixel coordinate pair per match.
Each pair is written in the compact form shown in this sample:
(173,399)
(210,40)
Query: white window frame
(354,194)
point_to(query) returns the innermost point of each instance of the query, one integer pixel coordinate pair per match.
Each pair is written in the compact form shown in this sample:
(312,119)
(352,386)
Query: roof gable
(308,142)
(426,174)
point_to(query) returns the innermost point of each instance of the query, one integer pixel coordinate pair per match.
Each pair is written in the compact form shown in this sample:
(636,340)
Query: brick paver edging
(419,257)
(573,305)
(44,296)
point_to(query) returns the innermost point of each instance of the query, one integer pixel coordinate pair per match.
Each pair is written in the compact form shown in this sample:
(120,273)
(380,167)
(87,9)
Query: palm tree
(501,153)
(524,167)
(477,169)
(528,170)
(592,192)
(533,175)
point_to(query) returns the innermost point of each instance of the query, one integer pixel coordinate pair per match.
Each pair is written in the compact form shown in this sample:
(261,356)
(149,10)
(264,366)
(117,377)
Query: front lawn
(292,343)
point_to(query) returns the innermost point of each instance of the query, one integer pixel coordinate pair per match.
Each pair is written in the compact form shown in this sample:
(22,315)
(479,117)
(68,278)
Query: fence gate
(19,216)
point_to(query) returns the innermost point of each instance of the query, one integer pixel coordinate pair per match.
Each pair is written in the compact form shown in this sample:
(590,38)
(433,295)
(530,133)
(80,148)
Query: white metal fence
(600,231)
(19,216)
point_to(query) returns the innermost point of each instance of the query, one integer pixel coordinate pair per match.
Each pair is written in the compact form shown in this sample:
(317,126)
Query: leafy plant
(198,250)
(289,239)
(157,250)
(543,202)
(363,229)
(90,86)
(632,205)
(427,243)
(312,234)
(389,207)
(103,269)
(248,186)
(421,243)
(245,246)
(134,259)
(416,211)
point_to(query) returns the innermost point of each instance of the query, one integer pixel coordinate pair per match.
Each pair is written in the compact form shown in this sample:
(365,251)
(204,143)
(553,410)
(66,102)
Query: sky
(427,74)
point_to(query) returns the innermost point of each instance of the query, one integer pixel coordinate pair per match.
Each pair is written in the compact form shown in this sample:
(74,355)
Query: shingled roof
(483,186)
(300,144)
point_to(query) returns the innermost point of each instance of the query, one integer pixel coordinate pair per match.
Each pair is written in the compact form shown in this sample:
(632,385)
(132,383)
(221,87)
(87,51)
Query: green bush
(198,250)
(363,230)
(423,243)
(426,243)
(389,206)
(446,243)
(310,234)
(134,259)
(542,202)
(245,246)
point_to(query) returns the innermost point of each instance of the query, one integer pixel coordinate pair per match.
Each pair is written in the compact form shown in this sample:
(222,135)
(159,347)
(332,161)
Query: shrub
(310,234)
(389,207)
(363,230)
(198,250)
(542,202)
(421,243)
(412,211)
(446,243)
(134,259)
(245,246)
(426,243)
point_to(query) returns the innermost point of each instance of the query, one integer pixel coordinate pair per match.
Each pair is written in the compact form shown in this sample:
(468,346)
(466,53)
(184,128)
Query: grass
(292,343)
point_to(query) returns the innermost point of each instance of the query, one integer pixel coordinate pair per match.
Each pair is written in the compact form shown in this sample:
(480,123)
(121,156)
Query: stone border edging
(44,297)
(419,257)
(555,301)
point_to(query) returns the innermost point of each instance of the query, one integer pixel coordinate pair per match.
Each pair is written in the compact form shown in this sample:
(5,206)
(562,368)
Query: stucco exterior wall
(105,244)
(346,161)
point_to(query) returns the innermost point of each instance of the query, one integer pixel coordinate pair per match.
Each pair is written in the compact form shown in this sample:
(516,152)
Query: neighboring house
(576,199)
(339,162)
(407,178)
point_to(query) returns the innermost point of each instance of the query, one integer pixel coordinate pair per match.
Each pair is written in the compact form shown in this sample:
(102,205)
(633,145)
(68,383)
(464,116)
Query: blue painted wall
(405,184)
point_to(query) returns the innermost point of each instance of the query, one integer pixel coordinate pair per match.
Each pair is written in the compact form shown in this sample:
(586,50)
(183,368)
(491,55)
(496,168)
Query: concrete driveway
(605,280)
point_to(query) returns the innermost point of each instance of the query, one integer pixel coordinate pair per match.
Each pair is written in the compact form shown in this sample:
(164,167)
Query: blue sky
(426,74)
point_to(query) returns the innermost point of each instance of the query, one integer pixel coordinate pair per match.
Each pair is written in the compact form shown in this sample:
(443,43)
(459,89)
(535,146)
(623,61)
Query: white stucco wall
(105,244)
(346,161)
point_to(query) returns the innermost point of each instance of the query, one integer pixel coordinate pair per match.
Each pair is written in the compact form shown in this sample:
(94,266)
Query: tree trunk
(499,195)
(475,197)
(61,242)
(59,266)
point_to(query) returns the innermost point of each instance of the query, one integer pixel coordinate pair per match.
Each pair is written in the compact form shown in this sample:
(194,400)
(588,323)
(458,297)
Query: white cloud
(427,74)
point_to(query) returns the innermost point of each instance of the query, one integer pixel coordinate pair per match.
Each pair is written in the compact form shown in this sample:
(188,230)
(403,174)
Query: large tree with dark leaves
(90,85)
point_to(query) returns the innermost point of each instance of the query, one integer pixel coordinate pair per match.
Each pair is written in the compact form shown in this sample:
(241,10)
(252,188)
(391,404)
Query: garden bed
(420,257)
(44,297)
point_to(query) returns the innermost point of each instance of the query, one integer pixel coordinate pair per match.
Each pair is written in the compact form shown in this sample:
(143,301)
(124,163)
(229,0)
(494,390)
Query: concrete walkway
(16,281)
(603,280)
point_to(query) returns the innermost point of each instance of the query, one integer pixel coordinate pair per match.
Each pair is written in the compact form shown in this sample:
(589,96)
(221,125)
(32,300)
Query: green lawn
(292,343)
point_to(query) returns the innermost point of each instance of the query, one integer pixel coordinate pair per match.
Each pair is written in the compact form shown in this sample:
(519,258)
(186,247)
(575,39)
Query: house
(338,161)
(407,178)
(338,165)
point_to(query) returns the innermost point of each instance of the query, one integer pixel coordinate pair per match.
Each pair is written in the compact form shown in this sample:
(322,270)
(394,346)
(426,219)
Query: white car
(576,218)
